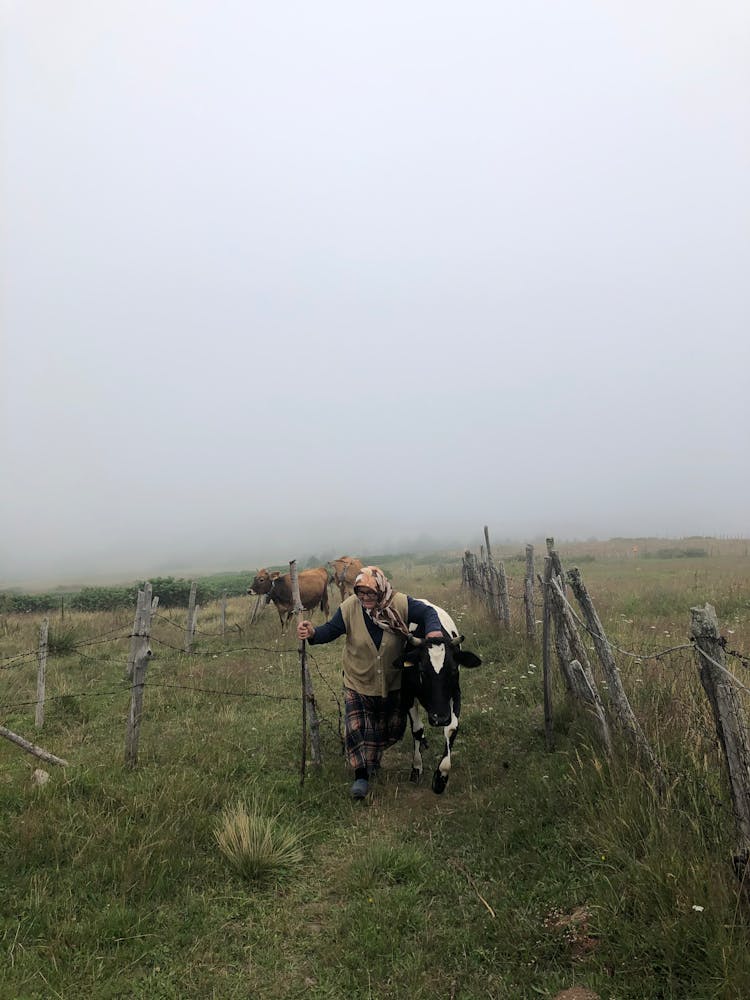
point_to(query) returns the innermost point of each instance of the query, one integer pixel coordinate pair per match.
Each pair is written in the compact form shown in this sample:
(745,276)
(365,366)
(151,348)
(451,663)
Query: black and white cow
(430,679)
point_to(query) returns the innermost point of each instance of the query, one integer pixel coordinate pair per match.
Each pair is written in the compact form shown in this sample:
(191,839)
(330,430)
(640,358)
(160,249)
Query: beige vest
(366,669)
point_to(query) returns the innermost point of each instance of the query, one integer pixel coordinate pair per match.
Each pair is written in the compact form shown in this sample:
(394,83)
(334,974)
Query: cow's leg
(420,743)
(441,775)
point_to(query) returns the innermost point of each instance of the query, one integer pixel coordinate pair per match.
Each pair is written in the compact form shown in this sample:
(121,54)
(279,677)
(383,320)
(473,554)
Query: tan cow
(344,570)
(313,590)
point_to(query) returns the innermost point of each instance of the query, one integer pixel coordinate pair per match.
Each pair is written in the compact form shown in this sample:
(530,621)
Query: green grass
(534,872)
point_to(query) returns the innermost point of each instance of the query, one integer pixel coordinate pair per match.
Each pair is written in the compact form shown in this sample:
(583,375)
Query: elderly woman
(375,620)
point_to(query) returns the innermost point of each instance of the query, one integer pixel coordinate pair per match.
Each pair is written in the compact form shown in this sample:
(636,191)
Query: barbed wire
(721,667)
(224,692)
(604,638)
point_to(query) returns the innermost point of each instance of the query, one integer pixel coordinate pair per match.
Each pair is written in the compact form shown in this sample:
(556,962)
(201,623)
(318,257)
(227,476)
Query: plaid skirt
(372,724)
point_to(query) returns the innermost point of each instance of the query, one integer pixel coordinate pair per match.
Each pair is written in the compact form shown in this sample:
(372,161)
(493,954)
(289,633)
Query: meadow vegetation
(536,871)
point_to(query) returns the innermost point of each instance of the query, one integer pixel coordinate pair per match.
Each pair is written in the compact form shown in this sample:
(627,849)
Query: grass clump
(62,641)
(257,844)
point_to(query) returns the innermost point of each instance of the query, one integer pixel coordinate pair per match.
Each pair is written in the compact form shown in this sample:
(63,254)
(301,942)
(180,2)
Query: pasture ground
(533,873)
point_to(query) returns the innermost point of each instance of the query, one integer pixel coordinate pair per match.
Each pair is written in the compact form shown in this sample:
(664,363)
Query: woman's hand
(434,635)
(305,630)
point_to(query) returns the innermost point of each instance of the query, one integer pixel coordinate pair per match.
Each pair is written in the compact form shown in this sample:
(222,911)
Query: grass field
(534,872)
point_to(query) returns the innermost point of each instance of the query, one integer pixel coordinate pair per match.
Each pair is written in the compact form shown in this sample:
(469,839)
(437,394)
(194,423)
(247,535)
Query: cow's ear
(467,659)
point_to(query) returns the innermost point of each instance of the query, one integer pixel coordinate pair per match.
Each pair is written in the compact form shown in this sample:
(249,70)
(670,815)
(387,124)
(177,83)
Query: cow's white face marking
(437,657)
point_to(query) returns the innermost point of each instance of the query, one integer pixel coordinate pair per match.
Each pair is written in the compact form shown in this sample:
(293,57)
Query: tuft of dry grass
(257,844)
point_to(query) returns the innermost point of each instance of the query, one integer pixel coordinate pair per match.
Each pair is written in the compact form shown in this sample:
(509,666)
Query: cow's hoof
(439,781)
(415,775)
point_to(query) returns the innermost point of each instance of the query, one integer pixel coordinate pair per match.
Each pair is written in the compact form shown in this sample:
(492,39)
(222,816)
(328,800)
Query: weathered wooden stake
(41,674)
(567,640)
(573,658)
(528,594)
(140,664)
(502,594)
(546,625)
(624,712)
(224,615)
(309,713)
(730,722)
(260,603)
(588,693)
(192,614)
(137,627)
(31,748)
(490,579)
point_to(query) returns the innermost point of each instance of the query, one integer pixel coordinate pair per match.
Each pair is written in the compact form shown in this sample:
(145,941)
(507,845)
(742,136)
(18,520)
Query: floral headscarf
(382,614)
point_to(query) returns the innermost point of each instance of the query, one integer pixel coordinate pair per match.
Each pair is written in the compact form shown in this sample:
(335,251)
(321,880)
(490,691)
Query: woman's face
(367,598)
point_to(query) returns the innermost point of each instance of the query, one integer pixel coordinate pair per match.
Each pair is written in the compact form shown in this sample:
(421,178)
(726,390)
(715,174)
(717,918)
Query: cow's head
(263,582)
(431,674)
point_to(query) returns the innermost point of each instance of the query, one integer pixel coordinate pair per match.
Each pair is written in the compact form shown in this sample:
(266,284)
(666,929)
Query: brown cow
(313,590)
(344,572)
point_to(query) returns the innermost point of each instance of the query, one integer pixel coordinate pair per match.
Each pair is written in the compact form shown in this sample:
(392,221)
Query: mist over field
(291,280)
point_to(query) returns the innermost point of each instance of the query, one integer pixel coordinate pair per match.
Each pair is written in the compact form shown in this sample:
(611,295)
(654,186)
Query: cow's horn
(456,640)
(414,640)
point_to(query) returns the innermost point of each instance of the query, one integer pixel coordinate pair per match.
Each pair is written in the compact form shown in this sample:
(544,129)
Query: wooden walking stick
(309,713)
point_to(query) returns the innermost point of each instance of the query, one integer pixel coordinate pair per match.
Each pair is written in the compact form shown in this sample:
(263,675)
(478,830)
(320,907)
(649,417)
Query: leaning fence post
(625,713)
(573,658)
(31,748)
(140,663)
(586,687)
(309,713)
(41,674)
(730,722)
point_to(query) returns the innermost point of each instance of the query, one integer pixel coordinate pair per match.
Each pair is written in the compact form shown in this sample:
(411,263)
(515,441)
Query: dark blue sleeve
(330,631)
(424,617)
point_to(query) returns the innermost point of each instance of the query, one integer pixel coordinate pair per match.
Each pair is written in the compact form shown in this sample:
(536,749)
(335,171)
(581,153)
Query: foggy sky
(292,277)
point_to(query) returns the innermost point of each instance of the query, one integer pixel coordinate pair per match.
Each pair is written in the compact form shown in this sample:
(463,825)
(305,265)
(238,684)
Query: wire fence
(226,642)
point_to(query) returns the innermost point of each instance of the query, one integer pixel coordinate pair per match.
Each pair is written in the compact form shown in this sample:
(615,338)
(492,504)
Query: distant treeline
(172,593)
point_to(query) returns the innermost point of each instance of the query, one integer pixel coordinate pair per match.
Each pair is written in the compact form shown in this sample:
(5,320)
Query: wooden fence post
(192,614)
(567,640)
(490,579)
(623,710)
(547,684)
(140,664)
(309,712)
(260,603)
(36,751)
(528,594)
(574,661)
(41,674)
(730,722)
(223,615)
(589,694)
(502,593)
(137,627)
